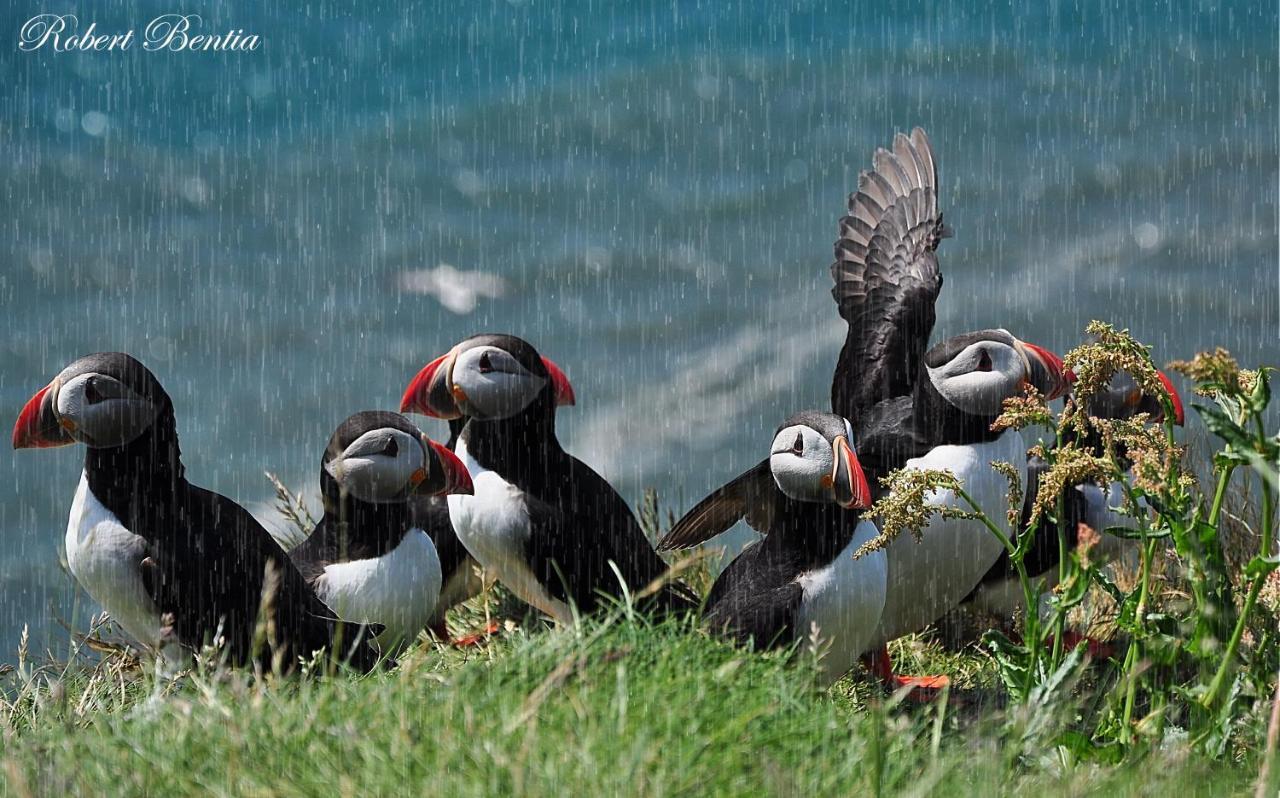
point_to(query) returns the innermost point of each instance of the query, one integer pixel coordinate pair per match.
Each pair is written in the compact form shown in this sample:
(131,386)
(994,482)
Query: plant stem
(1133,655)
(1059,616)
(1255,587)
(1267,775)
(1030,595)
(1219,494)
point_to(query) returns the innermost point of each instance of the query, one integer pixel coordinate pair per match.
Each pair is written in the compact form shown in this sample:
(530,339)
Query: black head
(486,377)
(975,372)
(380,457)
(813,459)
(105,400)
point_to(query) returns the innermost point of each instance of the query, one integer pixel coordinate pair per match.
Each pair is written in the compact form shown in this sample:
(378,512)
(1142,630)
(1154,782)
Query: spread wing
(886,276)
(751,496)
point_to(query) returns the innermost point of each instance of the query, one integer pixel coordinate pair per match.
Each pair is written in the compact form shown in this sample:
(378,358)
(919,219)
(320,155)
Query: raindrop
(260,86)
(470,183)
(707,87)
(1147,235)
(205,142)
(41,259)
(64,119)
(95,123)
(195,191)
(795,171)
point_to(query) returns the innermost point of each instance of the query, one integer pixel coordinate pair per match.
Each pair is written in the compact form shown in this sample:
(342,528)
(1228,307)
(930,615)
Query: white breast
(843,602)
(399,590)
(493,523)
(105,558)
(928,578)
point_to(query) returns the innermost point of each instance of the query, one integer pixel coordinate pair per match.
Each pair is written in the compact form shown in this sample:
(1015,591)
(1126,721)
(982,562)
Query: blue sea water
(647,191)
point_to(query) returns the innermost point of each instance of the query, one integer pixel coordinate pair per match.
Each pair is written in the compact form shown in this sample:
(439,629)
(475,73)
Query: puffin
(800,582)
(367,559)
(999,593)
(919,407)
(543,523)
(167,559)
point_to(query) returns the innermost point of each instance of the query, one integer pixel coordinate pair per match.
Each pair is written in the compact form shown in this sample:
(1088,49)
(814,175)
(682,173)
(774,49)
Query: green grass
(616,706)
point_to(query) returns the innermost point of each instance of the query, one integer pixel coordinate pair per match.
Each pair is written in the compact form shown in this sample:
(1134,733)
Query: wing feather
(750,496)
(886,276)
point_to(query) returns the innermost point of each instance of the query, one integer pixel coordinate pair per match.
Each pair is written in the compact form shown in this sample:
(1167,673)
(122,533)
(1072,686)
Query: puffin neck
(133,477)
(515,444)
(820,529)
(367,521)
(942,421)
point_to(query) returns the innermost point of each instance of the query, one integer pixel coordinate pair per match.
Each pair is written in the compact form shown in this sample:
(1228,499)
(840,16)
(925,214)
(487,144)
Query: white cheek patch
(499,393)
(376,477)
(801,476)
(110,422)
(979,392)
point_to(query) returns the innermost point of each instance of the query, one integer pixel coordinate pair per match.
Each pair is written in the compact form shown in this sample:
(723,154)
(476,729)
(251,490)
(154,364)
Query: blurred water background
(646,191)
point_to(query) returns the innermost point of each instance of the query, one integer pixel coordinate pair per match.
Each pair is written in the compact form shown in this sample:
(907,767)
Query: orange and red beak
(848,482)
(37,426)
(559,384)
(456,477)
(1047,372)
(1176,400)
(429,392)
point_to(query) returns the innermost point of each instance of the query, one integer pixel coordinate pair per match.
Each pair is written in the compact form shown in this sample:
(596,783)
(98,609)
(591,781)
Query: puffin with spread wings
(916,407)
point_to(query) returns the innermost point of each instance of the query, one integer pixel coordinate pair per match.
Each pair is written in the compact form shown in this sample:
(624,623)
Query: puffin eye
(984,362)
(91,393)
(391,449)
(485,365)
(797,448)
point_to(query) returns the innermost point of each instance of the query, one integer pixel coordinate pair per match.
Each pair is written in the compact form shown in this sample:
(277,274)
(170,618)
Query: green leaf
(1012,662)
(1261,566)
(1127,533)
(1268,469)
(1071,667)
(1104,581)
(1223,426)
(1261,395)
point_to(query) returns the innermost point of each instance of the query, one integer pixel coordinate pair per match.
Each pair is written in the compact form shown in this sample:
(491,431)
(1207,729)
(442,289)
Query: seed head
(906,506)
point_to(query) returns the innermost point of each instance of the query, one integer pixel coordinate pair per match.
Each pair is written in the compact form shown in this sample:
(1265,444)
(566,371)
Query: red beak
(848,481)
(559,383)
(1058,382)
(37,427)
(456,477)
(1178,417)
(428,392)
